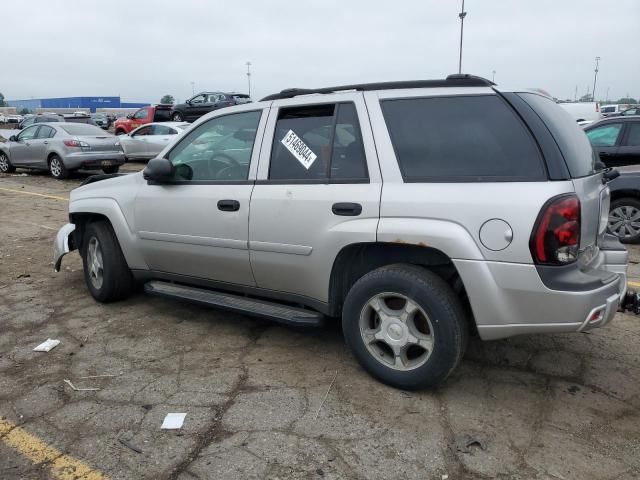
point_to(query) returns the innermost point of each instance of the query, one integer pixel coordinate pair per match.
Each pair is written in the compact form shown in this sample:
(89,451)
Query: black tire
(116,280)
(177,117)
(445,321)
(621,210)
(111,169)
(5,164)
(57,168)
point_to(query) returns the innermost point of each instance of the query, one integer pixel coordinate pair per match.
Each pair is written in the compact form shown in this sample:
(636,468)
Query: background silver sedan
(61,148)
(147,141)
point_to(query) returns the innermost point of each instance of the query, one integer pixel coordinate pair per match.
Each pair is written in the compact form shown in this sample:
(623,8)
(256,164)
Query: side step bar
(228,301)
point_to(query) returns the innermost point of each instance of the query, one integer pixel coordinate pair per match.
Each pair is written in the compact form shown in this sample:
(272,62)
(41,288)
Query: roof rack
(455,80)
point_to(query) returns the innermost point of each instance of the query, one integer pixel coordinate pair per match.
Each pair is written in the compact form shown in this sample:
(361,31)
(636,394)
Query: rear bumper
(93,160)
(510,299)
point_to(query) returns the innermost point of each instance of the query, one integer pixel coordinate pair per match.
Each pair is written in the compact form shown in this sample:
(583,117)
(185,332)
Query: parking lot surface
(263,401)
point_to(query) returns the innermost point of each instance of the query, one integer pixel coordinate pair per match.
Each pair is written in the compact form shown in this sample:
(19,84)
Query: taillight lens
(76,143)
(556,236)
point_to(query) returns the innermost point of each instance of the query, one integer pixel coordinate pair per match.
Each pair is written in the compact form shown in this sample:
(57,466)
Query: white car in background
(3,119)
(148,140)
(14,119)
(584,113)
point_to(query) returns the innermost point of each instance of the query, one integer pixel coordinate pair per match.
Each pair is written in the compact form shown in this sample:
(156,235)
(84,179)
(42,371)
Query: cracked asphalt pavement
(257,395)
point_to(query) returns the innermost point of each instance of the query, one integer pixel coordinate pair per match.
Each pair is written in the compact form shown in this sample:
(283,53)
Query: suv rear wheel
(177,117)
(106,271)
(405,326)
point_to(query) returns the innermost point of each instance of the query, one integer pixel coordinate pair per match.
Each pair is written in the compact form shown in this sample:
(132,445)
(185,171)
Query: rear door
(629,149)
(318,190)
(40,145)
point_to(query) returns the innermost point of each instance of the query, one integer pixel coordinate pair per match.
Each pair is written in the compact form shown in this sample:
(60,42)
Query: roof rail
(455,80)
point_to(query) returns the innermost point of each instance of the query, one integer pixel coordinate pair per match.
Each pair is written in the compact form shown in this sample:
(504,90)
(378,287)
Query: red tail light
(76,143)
(556,236)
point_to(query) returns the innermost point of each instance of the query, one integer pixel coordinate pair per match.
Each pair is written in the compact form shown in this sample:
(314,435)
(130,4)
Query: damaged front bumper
(63,244)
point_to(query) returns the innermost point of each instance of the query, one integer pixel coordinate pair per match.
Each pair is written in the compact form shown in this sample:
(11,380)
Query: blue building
(73,102)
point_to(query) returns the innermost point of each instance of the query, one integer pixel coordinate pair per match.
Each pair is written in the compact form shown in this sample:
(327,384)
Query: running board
(228,301)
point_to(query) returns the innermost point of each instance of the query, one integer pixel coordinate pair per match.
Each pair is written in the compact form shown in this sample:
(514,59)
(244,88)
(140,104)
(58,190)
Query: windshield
(81,129)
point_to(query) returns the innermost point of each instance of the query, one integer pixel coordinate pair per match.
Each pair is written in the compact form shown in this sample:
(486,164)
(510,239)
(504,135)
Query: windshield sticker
(299,149)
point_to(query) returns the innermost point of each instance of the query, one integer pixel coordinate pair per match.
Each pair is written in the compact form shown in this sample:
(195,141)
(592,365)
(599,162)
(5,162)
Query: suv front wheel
(405,325)
(106,272)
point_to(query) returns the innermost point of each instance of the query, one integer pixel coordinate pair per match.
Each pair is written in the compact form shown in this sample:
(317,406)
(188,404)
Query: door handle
(347,209)
(228,205)
(46,143)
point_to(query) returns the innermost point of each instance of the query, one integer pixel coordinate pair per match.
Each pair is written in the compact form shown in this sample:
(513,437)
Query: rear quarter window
(571,139)
(461,138)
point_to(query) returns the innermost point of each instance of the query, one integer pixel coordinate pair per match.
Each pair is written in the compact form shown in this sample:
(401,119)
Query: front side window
(605,136)
(462,138)
(198,99)
(141,114)
(633,135)
(217,150)
(28,133)
(141,132)
(318,142)
(631,111)
(28,121)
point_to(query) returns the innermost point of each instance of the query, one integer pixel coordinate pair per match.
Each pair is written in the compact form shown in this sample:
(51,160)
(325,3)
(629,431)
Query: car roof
(604,121)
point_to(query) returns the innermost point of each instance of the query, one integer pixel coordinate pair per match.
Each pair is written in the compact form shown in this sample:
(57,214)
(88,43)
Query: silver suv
(417,212)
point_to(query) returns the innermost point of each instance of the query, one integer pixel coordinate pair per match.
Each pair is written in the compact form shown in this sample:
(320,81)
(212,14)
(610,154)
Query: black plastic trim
(201,182)
(313,181)
(147,275)
(569,278)
(455,80)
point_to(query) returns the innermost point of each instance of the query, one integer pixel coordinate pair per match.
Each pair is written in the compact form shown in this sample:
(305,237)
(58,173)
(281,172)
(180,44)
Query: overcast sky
(143,49)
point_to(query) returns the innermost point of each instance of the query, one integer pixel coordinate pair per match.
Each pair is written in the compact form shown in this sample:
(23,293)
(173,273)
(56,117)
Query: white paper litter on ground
(173,421)
(46,346)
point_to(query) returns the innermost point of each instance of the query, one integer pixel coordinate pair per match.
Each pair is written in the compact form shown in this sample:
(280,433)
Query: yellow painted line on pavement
(633,284)
(34,193)
(62,467)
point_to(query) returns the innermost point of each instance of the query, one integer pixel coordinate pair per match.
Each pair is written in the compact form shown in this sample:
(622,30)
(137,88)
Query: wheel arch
(356,260)
(625,192)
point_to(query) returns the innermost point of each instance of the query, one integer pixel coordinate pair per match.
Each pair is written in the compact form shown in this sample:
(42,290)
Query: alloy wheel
(55,167)
(396,331)
(624,221)
(4,163)
(95,265)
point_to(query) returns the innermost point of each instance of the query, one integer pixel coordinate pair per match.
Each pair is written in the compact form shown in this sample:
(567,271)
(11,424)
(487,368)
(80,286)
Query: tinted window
(318,142)
(605,136)
(573,143)
(141,114)
(45,132)
(28,133)
(82,129)
(633,135)
(462,138)
(219,149)
(198,99)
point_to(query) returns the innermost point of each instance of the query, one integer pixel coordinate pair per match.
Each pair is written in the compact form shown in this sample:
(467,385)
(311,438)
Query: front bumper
(510,299)
(63,244)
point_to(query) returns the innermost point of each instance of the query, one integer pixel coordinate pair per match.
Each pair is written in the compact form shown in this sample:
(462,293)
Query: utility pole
(249,76)
(575,95)
(461,15)
(595,77)
(493,77)
(607,97)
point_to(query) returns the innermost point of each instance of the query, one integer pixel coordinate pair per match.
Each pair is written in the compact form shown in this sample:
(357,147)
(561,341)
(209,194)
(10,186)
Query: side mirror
(188,102)
(13,138)
(158,170)
(129,115)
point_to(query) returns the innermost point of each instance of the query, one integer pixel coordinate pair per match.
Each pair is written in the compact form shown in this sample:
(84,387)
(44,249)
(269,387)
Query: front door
(629,149)
(318,190)
(21,151)
(135,143)
(196,225)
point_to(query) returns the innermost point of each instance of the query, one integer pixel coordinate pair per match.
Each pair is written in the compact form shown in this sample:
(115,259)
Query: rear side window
(318,142)
(571,139)
(633,135)
(462,138)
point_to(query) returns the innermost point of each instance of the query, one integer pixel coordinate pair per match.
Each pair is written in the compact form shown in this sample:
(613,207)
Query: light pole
(595,77)
(493,76)
(607,97)
(461,15)
(249,76)
(193,88)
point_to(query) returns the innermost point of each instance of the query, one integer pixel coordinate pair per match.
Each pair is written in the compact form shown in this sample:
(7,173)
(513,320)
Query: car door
(605,139)
(196,224)
(318,190)
(195,107)
(40,146)
(629,149)
(21,151)
(135,144)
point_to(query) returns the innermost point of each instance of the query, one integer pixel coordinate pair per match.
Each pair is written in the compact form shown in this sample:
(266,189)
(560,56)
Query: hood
(116,187)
